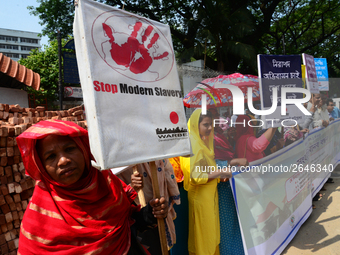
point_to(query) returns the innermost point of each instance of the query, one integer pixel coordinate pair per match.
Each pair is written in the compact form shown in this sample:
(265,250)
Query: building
(17,44)
(13,80)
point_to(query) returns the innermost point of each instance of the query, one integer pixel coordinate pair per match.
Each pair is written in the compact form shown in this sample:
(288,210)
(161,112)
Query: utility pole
(60,73)
(283,44)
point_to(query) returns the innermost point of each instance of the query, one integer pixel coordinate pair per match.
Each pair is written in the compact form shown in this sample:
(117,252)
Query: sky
(15,15)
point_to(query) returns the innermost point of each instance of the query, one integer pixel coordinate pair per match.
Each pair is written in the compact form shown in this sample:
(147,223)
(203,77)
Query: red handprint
(133,54)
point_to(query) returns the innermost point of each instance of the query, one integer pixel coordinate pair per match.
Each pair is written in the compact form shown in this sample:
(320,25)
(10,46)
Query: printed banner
(131,89)
(75,92)
(322,73)
(311,78)
(278,71)
(274,198)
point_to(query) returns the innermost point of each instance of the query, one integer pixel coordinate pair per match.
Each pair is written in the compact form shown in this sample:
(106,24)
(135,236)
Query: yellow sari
(204,225)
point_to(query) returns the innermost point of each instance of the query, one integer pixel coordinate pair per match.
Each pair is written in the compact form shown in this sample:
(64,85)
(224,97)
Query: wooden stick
(160,222)
(140,192)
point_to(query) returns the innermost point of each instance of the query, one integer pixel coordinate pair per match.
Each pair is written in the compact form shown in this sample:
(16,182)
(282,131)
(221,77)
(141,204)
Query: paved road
(320,234)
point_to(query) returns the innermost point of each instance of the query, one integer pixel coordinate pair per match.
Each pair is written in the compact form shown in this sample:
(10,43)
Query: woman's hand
(136,181)
(280,144)
(159,207)
(305,130)
(239,162)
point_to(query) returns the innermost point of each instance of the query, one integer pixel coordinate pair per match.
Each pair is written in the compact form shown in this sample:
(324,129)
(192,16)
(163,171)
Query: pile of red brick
(16,188)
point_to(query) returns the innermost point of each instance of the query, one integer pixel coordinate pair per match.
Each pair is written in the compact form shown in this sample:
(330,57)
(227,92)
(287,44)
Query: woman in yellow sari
(201,183)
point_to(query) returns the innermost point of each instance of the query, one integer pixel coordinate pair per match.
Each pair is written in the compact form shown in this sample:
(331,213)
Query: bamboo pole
(140,192)
(160,222)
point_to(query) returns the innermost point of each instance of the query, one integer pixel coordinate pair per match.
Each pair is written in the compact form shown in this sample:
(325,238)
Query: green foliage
(227,33)
(46,64)
(54,15)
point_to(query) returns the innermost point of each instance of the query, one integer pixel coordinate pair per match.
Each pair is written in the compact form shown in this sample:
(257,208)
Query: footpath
(320,234)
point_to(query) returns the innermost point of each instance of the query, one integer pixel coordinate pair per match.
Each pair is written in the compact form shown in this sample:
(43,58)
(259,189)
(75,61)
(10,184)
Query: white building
(17,44)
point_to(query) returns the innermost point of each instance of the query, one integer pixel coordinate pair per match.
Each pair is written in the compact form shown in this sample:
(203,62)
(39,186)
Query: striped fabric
(91,216)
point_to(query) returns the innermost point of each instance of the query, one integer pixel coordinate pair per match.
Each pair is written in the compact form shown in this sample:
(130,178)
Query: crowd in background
(81,202)
(229,144)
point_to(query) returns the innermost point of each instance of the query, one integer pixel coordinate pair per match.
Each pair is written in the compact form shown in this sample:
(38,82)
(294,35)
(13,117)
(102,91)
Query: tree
(311,27)
(227,33)
(218,29)
(46,64)
(55,15)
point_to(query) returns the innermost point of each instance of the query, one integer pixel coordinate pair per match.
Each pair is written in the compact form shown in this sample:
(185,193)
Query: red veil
(91,216)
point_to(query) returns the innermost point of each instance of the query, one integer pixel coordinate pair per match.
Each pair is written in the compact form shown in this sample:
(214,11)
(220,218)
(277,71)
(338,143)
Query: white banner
(75,92)
(131,89)
(274,198)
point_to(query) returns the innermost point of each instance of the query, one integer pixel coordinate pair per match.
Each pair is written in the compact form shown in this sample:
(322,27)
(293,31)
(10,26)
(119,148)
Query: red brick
(3,152)
(2,239)
(12,207)
(2,219)
(8,171)
(3,161)
(4,189)
(9,199)
(5,208)
(4,249)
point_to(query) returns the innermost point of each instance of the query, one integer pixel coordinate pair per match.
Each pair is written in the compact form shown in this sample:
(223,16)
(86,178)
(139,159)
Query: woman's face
(231,132)
(205,126)
(62,158)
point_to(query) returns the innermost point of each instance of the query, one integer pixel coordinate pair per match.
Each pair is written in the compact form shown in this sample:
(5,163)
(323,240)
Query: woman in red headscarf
(247,145)
(75,208)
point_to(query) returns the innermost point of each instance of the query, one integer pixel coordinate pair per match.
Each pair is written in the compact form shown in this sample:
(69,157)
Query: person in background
(182,211)
(221,122)
(230,233)
(320,116)
(142,180)
(75,208)
(247,145)
(233,120)
(231,136)
(333,111)
(276,143)
(227,116)
(292,134)
(176,165)
(201,184)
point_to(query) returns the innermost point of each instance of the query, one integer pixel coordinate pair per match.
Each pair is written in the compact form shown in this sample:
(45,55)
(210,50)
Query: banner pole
(160,222)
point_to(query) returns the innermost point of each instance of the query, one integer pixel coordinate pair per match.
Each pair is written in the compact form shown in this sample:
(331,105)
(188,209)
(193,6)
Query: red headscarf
(91,216)
(245,130)
(222,147)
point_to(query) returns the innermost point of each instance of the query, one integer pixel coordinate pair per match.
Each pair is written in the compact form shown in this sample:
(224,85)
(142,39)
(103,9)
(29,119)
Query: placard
(311,78)
(75,92)
(131,89)
(277,71)
(322,73)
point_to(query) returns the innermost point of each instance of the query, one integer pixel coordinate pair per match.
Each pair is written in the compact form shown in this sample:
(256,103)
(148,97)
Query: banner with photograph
(131,89)
(322,73)
(278,71)
(75,92)
(274,196)
(311,77)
